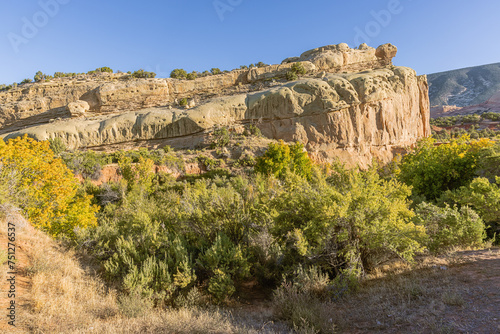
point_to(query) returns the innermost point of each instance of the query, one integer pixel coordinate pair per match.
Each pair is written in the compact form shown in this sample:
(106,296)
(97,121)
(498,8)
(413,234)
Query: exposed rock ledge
(36,103)
(353,116)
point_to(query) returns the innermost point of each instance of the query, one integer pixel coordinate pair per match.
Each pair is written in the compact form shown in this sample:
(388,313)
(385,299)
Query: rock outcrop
(352,104)
(78,108)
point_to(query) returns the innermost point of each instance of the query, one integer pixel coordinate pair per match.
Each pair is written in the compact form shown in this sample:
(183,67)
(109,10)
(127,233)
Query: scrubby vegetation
(178,74)
(89,163)
(309,232)
(141,74)
(296,71)
(468,124)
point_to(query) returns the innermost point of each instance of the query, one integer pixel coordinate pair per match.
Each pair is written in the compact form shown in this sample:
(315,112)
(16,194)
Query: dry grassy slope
(455,293)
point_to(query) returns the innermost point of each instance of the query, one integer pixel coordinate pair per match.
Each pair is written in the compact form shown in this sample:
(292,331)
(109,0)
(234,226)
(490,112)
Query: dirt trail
(481,291)
(462,297)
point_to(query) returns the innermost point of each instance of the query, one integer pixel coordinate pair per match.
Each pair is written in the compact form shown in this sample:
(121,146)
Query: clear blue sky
(160,35)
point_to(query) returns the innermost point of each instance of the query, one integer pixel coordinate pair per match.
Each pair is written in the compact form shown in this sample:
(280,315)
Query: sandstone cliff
(352,104)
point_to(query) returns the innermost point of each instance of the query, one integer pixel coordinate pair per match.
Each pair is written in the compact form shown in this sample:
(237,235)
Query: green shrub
(298,68)
(252,130)
(104,69)
(445,121)
(57,145)
(354,220)
(209,163)
(484,197)
(25,81)
(138,252)
(221,285)
(295,72)
(246,160)
(215,71)
(39,77)
(220,138)
(491,116)
(449,227)
(280,158)
(471,119)
(88,163)
(291,76)
(261,64)
(192,76)
(431,169)
(183,102)
(178,73)
(141,74)
(226,263)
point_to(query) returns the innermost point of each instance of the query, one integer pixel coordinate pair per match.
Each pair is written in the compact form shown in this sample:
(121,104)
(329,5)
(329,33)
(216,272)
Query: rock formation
(352,104)
(78,108)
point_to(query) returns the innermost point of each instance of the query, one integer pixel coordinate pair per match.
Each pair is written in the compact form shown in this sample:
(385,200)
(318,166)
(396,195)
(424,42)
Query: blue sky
(160,35)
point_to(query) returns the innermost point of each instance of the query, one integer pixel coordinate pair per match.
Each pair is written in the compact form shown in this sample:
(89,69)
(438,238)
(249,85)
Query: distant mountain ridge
(464,87)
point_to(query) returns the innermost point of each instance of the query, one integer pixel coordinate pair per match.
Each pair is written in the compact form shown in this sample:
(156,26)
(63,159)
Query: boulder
(78,108)
(386,51)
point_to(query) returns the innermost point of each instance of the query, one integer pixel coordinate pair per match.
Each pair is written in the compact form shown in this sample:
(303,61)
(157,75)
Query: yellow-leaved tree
(41,184)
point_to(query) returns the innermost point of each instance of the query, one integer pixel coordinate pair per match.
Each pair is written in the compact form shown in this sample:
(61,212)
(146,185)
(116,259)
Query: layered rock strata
(352,104)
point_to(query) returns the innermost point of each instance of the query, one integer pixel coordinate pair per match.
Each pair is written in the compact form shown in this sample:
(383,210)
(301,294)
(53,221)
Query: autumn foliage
(41,184)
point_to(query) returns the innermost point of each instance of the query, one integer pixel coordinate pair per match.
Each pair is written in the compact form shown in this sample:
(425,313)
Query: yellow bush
(44,187)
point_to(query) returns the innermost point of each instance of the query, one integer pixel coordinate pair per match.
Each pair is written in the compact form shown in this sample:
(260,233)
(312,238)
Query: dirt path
(479,281)
(461,294)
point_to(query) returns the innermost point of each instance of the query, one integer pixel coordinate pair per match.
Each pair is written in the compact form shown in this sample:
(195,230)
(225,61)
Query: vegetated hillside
(464,87)
(309,243)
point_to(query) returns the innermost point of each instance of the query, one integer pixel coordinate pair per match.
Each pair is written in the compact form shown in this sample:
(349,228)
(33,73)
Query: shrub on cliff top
(191,76)
(178,73)
(215,71)
(39,76)
(141,74)
(104,69)
(296,70)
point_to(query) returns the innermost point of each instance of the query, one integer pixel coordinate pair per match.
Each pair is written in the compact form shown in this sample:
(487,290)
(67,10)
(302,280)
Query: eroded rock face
(351,104)
(352,116)
(39,102)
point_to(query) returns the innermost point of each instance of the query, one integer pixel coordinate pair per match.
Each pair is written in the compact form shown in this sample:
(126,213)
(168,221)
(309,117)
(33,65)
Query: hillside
(464,87)
(455,293)
(351,104)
